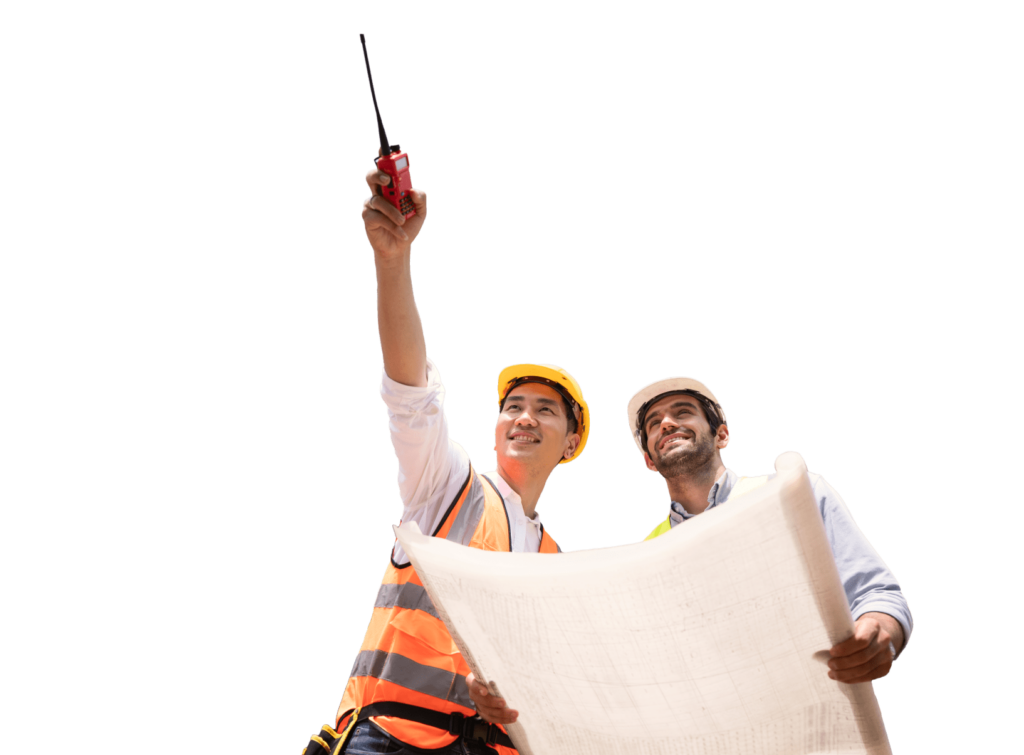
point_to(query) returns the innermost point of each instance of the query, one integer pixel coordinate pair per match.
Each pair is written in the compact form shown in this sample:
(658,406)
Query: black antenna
(384,148)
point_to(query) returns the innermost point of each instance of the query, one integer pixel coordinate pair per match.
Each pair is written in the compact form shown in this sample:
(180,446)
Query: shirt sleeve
(431,468)
(868,583)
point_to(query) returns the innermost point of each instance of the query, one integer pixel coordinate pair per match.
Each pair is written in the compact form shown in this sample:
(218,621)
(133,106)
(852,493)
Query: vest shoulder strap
(661,529)
(547,543)
(463,516)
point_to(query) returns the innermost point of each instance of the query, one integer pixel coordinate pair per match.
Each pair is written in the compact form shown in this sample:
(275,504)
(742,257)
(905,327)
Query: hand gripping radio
(392,160)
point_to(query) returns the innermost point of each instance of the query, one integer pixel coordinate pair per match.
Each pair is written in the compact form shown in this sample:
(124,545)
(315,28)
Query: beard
(691,461)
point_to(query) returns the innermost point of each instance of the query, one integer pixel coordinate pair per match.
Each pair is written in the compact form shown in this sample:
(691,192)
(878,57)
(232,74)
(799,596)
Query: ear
(572,442)
(650,464)
(722,437)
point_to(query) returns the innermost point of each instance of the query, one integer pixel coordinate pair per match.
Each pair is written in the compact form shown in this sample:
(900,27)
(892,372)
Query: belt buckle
(492,734)
(460,725)
(480,730)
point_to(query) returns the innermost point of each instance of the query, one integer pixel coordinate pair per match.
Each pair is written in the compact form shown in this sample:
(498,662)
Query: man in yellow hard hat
(407,687)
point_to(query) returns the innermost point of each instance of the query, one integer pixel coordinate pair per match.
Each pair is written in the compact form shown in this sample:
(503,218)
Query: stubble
(695,461)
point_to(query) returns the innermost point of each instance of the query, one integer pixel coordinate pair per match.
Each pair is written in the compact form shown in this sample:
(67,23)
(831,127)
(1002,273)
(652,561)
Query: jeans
(368,739)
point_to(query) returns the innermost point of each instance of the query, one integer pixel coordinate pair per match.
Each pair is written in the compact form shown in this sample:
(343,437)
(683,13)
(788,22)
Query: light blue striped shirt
(868,583)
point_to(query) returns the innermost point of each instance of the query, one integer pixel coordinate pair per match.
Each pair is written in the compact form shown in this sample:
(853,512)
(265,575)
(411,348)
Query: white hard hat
(646,396)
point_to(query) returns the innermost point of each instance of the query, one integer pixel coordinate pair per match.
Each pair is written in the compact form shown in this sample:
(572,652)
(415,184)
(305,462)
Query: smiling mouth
(671,441)
(524,439)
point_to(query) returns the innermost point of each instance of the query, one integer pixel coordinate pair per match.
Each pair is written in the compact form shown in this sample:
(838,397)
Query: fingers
(860,675)
(419,201)
(874,667)
(379,214)
(476,687)
(377,178)
(380,204)
(865,656)
(865,659)
(865,633)
(385,223)
(491,708)
(497,714)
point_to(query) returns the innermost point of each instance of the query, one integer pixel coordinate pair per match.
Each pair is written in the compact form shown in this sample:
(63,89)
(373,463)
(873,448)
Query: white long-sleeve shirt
(432,467)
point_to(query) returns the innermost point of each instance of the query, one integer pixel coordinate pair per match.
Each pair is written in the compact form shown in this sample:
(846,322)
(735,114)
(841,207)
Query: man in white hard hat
(680,427)
(407,691)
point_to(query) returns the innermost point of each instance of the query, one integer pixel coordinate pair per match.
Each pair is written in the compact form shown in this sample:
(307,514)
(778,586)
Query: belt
(331,742)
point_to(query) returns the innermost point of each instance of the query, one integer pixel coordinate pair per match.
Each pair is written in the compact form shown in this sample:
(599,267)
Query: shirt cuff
(410,399)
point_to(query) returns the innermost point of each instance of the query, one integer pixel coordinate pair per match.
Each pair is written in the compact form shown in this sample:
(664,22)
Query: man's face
(679,438)
(532,427)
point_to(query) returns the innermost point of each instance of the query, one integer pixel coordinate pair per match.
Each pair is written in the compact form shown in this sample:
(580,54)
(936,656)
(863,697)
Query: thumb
(476,684)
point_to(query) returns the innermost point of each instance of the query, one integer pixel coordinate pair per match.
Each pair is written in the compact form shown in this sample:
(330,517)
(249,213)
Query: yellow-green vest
(743,485)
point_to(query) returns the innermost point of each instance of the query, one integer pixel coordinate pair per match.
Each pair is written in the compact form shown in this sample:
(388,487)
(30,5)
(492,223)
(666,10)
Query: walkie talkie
(392,161)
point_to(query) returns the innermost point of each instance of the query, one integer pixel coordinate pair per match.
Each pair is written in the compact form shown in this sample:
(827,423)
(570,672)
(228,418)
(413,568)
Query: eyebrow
(673,405)
(537,399)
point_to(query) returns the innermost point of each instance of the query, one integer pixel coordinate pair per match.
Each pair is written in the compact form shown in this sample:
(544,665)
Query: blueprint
(709,640)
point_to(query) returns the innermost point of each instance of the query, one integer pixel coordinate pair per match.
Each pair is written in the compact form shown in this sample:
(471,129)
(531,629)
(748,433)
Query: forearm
(398,321)
(870,587)
(890,625)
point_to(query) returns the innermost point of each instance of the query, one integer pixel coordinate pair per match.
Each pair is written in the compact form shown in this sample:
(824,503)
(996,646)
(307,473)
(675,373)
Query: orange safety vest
(407,655)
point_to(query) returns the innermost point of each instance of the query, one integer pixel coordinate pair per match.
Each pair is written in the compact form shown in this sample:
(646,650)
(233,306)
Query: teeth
(523,439)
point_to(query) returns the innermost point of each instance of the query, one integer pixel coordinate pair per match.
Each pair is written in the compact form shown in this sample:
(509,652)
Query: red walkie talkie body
(396,165)
(392,160)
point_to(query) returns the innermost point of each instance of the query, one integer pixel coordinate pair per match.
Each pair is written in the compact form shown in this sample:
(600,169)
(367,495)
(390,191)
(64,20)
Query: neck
(526,481)
(691,490)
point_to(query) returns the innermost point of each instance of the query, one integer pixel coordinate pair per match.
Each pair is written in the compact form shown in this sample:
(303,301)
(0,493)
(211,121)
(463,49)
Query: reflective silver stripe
(469,515)
(405,672)
(408,595)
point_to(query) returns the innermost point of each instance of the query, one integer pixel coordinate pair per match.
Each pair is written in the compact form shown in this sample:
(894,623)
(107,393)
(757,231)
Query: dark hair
(712,412)
(569,416)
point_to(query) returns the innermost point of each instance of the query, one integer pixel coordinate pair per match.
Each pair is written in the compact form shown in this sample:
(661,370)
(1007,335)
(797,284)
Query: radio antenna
(384,148)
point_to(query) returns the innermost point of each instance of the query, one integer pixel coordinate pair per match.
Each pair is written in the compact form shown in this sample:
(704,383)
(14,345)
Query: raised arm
(391,236)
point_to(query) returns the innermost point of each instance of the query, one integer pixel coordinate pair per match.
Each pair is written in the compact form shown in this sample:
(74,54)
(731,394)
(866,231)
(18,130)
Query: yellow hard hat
(561,381)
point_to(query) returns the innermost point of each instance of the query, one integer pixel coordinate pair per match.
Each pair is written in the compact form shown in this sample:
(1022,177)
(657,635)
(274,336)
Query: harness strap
(325,742)
(455,723)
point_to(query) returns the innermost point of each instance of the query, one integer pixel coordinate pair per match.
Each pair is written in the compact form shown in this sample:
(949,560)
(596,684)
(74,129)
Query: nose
(525,418)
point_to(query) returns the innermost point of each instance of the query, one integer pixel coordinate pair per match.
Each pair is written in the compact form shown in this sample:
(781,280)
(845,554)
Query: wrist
(392,262)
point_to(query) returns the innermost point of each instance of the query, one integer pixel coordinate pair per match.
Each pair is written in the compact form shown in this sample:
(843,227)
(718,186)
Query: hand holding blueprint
(710,639)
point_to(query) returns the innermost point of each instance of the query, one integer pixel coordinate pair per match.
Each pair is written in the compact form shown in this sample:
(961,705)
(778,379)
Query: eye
(547,409)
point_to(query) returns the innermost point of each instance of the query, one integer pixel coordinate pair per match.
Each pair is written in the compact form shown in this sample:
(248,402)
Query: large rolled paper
(709,640)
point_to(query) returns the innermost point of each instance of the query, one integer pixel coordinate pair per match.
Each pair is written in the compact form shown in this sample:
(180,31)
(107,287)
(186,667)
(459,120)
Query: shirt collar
(513,503)
(719,493)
